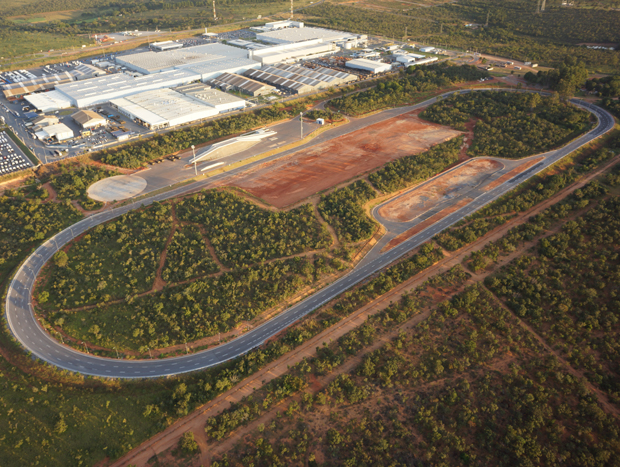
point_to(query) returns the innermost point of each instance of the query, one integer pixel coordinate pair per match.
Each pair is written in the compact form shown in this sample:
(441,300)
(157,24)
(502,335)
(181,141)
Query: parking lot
(12,158)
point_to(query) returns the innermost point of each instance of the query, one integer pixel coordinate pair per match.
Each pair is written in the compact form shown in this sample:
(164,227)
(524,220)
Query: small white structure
(427,50)
(213,151)
(59,131)
(320,121)
(426,60)
(166,45)
(369,65)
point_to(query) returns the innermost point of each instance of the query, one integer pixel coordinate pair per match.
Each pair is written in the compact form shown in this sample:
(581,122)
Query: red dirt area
(507,176)
(409,206)
(427,223)
(303,173)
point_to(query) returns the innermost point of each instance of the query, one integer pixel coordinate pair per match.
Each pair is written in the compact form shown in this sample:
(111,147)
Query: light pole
(301,124)
(116,352)
(194,152)
(85,346)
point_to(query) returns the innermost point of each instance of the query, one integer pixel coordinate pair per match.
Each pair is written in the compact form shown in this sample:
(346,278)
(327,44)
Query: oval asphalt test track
(24,326)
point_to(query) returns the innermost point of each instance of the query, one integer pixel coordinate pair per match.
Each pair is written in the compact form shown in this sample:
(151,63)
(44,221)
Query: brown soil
(295,177)
(416,202)
(427,223)
(52,193)
(512,173)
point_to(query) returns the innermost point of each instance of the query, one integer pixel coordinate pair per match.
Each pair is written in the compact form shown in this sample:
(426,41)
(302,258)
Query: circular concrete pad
(116,188)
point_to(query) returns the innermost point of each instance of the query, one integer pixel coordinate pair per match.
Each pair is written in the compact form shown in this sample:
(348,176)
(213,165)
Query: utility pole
(538,7)
(116,353)
(544,2)
(85,346)
(301,124)
(487,23)
(194,152)
(291,9)
(214,15)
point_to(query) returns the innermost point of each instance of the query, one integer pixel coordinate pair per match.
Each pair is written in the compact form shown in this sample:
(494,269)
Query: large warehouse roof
(288,35)
(48,101)
(60,131)
(163,107)
(98,90)
(244,84)
(152,62)
(276,80)
(212,97)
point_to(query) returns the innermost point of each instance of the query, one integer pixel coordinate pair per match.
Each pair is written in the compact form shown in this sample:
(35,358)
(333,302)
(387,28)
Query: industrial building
(228,81)
(301,34)
(294,52)
(208,60)
(369,65)
(215,98)
(275,25)
(49,101)
(47,82)
(104,89)
(427,49)
(58,131)
(166,45)
(43,121)
(278,81)
(87,119)
(300,79)
(163,108)
(327,75)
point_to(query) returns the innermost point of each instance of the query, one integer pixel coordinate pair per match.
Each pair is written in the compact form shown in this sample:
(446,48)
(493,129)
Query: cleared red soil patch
(427,223)
(293,178)
(507,176)
(409,206)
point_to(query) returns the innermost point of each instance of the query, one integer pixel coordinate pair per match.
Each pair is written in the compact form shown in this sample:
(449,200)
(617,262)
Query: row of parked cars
(10,160)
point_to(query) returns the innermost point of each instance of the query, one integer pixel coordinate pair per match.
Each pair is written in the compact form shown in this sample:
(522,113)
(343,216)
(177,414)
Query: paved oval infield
(116,188)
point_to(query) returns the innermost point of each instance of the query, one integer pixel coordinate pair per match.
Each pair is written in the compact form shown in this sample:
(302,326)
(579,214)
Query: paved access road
(33,337)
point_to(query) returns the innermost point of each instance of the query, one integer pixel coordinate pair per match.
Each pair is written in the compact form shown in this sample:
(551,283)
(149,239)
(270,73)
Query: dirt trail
(601,396)
(159,283)
(170,436)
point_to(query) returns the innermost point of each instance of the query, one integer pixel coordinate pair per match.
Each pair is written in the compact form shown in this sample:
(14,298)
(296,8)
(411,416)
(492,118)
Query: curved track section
(25,327)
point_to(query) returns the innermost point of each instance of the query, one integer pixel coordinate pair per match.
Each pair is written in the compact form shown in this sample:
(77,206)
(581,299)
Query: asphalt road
(22,322)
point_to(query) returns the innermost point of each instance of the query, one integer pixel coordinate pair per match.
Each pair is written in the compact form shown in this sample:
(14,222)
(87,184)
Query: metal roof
(241,82)
(303,34)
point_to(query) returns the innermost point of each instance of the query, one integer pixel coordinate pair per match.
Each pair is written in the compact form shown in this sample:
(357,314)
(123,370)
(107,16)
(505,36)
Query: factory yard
(288,180)
(411,205)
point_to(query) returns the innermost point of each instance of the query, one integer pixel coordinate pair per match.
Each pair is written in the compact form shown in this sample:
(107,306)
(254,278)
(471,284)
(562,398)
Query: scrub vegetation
(187,256)
(342,208)
(510,125)
(401,91)
(492,392)
(73,181)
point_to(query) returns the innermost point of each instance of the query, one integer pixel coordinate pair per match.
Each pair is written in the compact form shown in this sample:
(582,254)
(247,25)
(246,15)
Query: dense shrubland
(342,208)
(111,261)
(73,181)
(510,125)
(402,90)
(187,256)
(243,234)
(416,168)
(26,223)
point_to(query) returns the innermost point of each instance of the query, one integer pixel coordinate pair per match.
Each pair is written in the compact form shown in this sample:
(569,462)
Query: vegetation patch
(187,256)
(511,125)
(402,90)
(112,260)
(244,234)
(73,181)
(342,208)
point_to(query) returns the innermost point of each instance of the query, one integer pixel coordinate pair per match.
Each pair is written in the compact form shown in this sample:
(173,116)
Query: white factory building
(104,89)
(301,34)
(215,98)
(163,108)
(58,131)
(294,52)
(369,65)
(203,59)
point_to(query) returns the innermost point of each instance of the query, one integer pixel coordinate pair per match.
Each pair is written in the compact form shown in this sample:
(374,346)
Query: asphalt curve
(24,326)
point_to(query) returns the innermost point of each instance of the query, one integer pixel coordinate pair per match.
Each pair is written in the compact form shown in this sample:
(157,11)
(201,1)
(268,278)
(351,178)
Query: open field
(306,172)
(408,207)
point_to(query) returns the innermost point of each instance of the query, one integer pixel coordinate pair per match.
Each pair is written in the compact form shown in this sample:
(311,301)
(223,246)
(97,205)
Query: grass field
(23,43)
